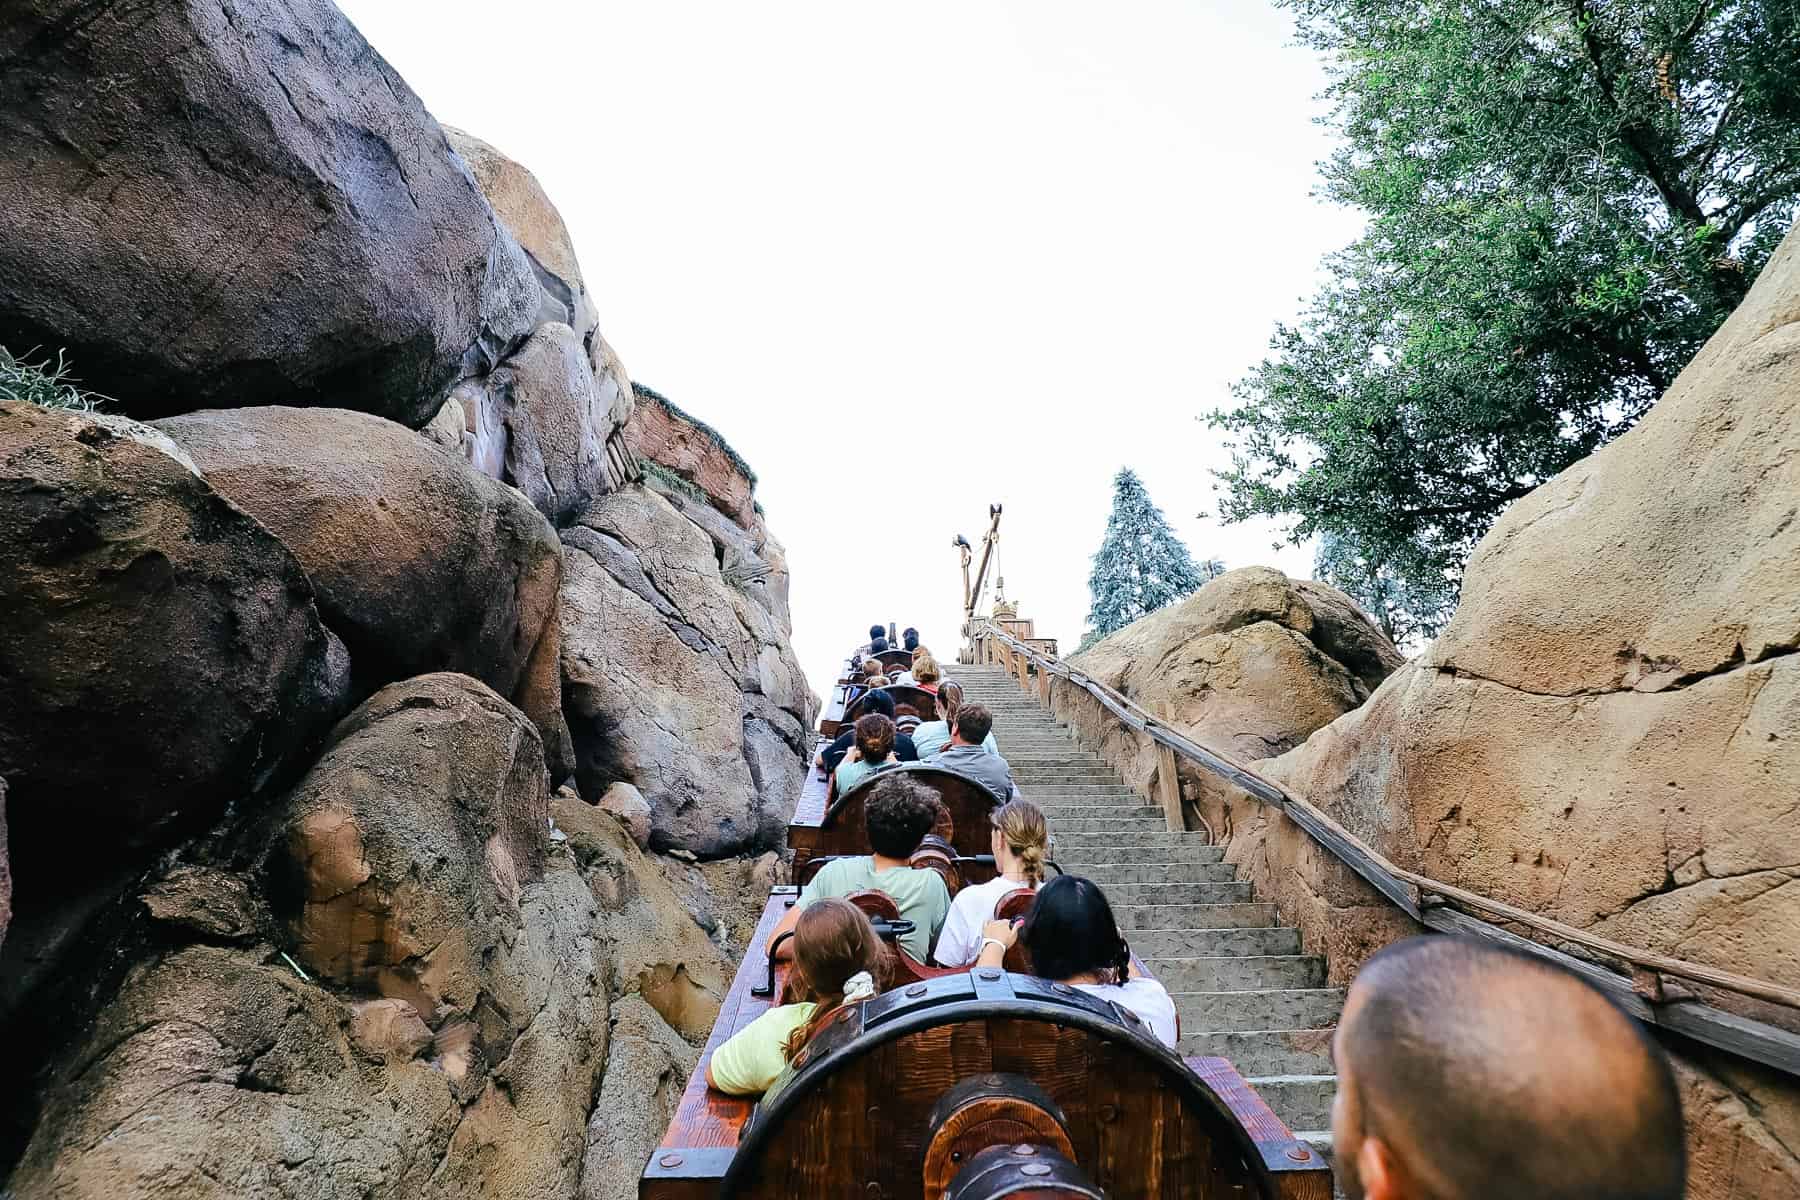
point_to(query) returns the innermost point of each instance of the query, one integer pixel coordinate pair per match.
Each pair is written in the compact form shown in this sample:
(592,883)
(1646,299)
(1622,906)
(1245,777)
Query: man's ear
(1380,1173)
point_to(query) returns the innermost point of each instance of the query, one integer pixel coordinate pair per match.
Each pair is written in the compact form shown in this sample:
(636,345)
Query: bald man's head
(1467,1071)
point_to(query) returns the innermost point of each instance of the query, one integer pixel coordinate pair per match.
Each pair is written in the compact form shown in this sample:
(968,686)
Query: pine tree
(1141,565)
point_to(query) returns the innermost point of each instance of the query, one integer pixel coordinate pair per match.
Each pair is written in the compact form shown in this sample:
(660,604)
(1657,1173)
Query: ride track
(968,1084)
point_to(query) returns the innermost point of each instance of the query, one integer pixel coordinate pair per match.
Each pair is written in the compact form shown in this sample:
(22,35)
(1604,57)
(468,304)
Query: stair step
(1301,1101)
(1130,846)
(1165,945)
(1275,1008)
(1058,813)
(1164,894)
(1122,825)
(1110,874)
(1097,798)
(1238,972)
(1263,1051)
(1133,917)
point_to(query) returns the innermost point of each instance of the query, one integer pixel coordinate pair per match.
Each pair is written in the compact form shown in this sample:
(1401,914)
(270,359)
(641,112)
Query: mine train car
(966,1084)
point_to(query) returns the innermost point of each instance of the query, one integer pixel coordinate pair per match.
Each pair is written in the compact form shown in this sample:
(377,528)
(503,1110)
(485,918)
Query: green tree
(1566,198)
(1141,565)
(1408,600)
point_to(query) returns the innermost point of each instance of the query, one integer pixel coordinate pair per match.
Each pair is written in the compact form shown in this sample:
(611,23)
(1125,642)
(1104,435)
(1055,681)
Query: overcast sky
(915,259)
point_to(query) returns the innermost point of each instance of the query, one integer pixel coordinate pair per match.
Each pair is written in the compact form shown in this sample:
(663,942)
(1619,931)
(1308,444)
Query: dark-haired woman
(1071,938)
(838,960)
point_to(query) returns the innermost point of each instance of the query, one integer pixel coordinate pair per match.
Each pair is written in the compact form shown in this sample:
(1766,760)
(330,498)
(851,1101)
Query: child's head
(898,815)
(833,943)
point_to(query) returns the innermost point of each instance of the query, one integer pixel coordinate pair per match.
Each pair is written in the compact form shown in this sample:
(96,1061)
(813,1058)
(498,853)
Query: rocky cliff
(346,709)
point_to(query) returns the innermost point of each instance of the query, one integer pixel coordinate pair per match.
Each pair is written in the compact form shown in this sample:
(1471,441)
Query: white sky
(914,259)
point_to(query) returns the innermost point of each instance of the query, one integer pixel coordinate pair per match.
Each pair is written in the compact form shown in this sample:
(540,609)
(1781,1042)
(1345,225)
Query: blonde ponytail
(1021,823)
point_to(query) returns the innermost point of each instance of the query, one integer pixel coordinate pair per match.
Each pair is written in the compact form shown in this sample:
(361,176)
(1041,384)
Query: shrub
(46,384)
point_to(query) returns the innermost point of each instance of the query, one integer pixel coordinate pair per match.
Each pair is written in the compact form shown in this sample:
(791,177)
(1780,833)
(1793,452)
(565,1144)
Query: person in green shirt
(838,960)
(898,815)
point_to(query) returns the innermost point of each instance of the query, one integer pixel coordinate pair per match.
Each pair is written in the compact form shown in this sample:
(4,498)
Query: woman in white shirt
(1020,841)
(1071,937)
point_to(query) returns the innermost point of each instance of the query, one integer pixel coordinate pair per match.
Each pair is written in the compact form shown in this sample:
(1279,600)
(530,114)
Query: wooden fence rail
(1444,907)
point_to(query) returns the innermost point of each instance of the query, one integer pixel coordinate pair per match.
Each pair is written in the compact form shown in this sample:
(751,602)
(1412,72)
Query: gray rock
(208,203)
(646,1068)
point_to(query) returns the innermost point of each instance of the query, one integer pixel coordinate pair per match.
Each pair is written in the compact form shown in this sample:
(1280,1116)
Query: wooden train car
(966,1084)
(931,1089)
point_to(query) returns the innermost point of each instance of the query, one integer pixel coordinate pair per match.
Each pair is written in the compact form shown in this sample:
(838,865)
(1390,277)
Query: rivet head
(916,990)
(1109,1113)
(669,1160)
(1299,1154)
(1024,1151)
(1035,1169)
(990,974)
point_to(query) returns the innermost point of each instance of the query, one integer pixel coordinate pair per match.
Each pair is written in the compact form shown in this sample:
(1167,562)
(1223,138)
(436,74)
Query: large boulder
(1609,730)
(677,442)
(160,651)
(207,203)
(5,871)
(548,418)
(446,1038)
(647,1066)
(421,563)
(1250,665)
(677,680)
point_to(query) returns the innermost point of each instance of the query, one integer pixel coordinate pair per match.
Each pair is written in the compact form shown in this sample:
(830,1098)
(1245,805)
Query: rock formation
(1609,730)
(251,953)
(1250,664)
(421,563)
(253,205)
(162,653)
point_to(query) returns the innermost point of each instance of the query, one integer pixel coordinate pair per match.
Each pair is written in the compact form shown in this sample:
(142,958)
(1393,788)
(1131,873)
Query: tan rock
(662,434)
(1609,730)
(628,806)
(422,564)
(1235,666)
(211,903)
(388,1029)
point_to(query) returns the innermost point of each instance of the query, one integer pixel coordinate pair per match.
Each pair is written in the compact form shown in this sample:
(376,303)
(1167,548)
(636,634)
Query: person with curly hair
(898,814)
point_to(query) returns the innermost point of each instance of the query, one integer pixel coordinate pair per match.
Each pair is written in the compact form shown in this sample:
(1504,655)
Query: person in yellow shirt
(838,960)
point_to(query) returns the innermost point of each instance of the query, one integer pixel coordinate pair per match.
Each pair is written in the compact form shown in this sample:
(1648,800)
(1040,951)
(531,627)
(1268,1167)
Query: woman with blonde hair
(925,671)
(838,960)
(1021,844)
(931,737)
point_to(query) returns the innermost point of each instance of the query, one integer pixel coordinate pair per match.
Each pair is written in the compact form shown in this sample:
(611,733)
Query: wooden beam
(1168,789)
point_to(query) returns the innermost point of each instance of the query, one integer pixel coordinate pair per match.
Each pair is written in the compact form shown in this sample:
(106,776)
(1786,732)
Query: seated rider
(932,736)
(898,815)
(926,673)
(909,639)
(838,960)
(1071,938)
(967,753)
(874,749)
(1020,841)
(1466,1071)
(878,702)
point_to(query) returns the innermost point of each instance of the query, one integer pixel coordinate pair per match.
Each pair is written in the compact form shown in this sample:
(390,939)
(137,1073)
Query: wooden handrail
(1432,902)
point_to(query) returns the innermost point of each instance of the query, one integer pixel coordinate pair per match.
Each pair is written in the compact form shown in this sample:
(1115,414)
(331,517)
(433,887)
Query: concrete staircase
(1242,987)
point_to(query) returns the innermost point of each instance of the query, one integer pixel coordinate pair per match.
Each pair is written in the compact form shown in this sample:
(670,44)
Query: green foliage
(1407,601)
(45,383)
(1566,198)
(712,435)
(660,476)
(1141,565)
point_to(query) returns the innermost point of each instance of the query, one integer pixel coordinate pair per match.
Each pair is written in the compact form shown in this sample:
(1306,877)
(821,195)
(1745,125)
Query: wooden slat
(1301,1174)
(1168,789)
